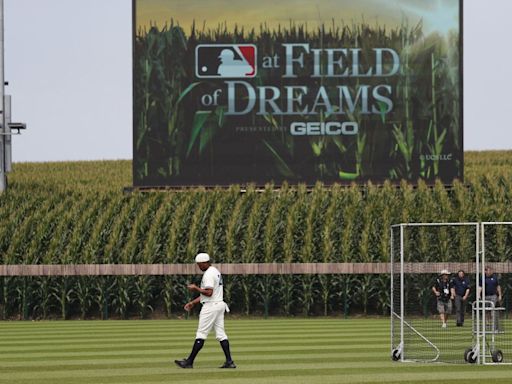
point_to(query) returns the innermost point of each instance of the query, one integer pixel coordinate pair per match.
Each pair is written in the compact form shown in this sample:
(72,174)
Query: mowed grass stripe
(182,338)
(241,358)
(263,347)
(123,326)
(261,344)
(276,321)
(205,355)
(262,370)
(123,331)
(183,333)
(276,374)
(145,341)
(171,331)
(175,330)
(269,346)
(186,336)
(178,334)
(420,378)
(165,338)
(244,364)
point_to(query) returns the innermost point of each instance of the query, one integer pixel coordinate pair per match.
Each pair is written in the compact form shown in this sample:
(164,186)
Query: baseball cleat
(183,363)
(228,364)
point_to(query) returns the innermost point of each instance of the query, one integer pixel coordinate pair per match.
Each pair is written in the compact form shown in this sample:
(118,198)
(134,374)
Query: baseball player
(211,296)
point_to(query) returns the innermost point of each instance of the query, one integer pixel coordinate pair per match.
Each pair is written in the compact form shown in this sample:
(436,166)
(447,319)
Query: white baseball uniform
(212,312)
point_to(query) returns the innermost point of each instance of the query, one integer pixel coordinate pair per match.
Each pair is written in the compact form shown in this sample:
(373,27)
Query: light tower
(6,125)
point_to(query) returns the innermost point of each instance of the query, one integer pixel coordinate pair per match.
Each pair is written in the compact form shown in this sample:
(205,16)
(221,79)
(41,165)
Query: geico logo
(332,128)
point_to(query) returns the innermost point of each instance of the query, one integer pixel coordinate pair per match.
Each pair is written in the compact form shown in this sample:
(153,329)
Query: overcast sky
(437,15)
(68,63)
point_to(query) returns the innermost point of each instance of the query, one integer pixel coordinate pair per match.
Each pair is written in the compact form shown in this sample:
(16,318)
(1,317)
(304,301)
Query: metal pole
(391,269)
(482,297)
(483,303)
(478,330)
(402,301)
(8,135)
(3,178)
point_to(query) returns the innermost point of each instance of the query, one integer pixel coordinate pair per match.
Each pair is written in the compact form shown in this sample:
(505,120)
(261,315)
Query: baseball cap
(202,258)
(445,272)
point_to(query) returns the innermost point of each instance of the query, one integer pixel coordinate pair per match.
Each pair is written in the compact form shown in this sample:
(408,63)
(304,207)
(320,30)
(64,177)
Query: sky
(69,68)
(439,15)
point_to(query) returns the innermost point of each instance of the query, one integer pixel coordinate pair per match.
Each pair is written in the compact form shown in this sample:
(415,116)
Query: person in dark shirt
(493,292)
(492,297)
(445,293)
(461,286)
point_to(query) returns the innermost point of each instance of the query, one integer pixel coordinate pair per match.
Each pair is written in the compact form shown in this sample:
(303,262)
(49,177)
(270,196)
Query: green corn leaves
(75,213)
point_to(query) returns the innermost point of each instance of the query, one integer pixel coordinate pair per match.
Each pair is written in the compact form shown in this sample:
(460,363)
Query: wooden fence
(237,269)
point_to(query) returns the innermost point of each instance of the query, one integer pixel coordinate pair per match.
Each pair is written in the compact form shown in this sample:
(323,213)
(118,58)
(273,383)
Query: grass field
(267,351)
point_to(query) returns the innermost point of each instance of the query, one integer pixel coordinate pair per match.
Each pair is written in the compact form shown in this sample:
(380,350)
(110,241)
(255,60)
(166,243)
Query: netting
(395,297)
(425,327)
(496,327)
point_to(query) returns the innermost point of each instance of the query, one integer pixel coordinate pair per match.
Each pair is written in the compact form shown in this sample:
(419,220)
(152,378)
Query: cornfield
(74,213)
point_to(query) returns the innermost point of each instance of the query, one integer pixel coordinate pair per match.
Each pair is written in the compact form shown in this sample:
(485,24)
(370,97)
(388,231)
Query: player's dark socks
(198,345)
(225,347)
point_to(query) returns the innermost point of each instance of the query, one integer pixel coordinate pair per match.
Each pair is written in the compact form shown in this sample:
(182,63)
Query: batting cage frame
(495,328)
(422,326)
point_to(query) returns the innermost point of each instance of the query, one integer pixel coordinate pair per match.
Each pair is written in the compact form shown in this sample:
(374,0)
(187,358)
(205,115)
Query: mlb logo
(226,61)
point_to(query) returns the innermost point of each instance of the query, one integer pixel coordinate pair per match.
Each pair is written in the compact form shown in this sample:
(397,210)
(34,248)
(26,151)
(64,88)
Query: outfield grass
(266,351)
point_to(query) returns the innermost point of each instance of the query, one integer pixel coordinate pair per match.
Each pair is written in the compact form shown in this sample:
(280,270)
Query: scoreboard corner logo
(224,61)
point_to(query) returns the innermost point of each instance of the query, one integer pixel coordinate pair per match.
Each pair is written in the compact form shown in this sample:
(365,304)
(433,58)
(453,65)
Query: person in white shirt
(211,296)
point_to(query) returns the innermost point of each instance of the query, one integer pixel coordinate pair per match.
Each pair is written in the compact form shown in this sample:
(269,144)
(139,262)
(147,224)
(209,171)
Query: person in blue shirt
(493,292)
(462,290)
(493,296)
